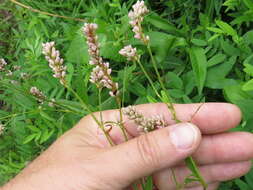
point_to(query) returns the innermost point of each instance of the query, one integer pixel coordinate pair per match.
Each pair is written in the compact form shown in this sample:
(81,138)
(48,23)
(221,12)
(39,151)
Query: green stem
(99,105)
(169,104)
(193,167)
(149,79)
(178,186)
(84,105)
(121,124)
(191,163)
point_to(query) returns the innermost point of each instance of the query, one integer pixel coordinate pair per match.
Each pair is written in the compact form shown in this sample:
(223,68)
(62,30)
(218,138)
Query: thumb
(154,151)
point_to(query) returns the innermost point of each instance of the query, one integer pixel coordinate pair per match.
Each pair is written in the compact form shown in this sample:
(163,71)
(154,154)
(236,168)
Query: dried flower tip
(3,63)
(2,128)
(14,82)
(24,75)
(55,62)
(9,73)
(144,124)
(37,94)
(130,53)
(16,67)
(52,103)
(136,17)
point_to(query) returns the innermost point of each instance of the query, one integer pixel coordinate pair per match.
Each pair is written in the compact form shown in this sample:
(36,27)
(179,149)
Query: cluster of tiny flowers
(101,73)
(144,124)
(37,94)
(130,53)
(16,67)
(55,62)
(24,75)
(136,17)
(3,63)
(2,128)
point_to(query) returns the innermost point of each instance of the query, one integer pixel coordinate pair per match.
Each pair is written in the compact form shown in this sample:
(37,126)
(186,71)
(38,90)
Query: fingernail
(183,136)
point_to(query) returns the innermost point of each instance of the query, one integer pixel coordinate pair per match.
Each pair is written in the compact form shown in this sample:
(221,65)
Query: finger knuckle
(148,150)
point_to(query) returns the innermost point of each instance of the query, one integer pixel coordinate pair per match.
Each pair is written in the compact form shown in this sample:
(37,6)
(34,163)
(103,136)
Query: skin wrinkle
(148,150)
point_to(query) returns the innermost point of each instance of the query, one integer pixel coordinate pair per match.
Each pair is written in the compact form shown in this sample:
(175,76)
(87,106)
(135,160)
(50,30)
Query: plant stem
(121,124)
(196,172)
(45,13)
(84,105)
(169,104)
(149,79)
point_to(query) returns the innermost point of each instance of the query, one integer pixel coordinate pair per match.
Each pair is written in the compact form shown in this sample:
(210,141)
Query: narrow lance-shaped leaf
(199,66)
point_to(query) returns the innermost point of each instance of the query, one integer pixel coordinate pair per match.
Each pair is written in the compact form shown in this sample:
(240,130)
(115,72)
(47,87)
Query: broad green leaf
(161,44)
(138,89)
(216,75)
(77,51)
(242,184)
(173,81)
(198,42)
(226,28)
(249,177)
(163,24)
(46,116)
(248,86)
(216,30)
(30,138)
(248,3)
(248,69)
(218,58)
(199,66)
(70,72)
(151,99)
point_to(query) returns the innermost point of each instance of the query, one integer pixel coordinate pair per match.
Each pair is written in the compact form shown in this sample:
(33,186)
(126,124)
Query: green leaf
(198,42)
(218,58)
(46,116)
(161,43)
(199,66)
(151,99)
(249,177)
(248,86)
(165,97)
(195,171)
(163,24)
(149,183)
(242,184)
(30,138)
(216,75)
(249,4)
(216,30)
(77,51)
(248,69)
(138,89)
(70,72)
(173,81)
(226,28)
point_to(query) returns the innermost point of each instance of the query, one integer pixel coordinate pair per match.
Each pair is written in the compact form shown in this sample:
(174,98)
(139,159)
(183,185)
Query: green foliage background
(204,50)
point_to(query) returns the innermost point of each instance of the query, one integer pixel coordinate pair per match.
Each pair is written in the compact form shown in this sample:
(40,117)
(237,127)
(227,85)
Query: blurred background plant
(203,49)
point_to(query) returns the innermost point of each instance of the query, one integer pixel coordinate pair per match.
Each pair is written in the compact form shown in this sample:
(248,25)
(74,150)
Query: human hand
(82,158)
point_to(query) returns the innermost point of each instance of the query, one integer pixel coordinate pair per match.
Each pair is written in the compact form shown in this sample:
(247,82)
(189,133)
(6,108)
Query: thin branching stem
(45,13)
(169,104)
(149,79)
(85,106)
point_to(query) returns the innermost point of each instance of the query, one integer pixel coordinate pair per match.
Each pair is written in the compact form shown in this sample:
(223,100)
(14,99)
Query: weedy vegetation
(61,60)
